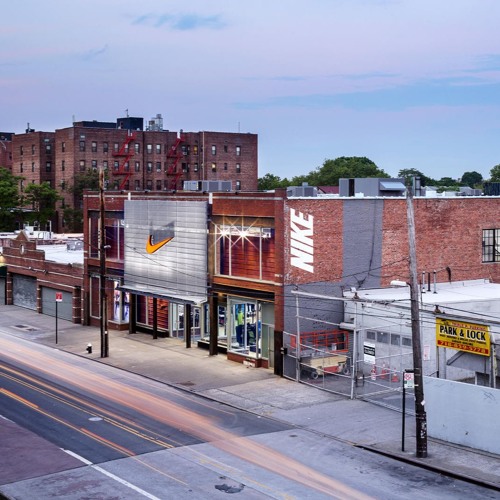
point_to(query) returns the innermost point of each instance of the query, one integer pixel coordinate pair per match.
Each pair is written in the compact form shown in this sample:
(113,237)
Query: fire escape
(173,157)
(125,153)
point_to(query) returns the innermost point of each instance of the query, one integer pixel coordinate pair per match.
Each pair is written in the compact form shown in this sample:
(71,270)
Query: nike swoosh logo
(154,247)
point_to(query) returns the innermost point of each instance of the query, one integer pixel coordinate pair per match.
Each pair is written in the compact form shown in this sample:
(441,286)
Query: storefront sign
(462,336)
(301,241)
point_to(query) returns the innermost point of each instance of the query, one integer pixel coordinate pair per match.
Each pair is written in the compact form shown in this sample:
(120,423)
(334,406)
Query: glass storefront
(249,329)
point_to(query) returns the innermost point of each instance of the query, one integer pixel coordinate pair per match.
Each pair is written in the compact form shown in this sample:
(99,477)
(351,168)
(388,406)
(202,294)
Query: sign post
(408,383)
(59,297)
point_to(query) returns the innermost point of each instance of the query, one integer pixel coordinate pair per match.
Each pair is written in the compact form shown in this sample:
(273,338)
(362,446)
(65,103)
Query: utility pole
(420,415)
(102,273)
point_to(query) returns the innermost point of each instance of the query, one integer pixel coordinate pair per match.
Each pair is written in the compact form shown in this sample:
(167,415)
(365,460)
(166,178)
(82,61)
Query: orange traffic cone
(394,377)
(385,372)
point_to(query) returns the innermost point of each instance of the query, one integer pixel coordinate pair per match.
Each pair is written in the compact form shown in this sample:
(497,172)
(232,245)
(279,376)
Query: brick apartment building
(134,159)
(6,150)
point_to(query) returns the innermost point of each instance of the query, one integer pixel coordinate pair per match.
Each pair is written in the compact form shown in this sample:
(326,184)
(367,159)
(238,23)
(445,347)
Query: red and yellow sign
(469,337)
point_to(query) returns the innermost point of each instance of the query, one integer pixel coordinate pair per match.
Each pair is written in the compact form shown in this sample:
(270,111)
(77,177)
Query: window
(82,165)
(48,166)
(158,166)
(214,149)
(238,185)
(185,167)
(158,149)
(149,184)
(48,148)
(63,147)
(21,167)
(82,146)
(94,147)
(105,164)
(395,339)
(214,167)
(63,165)
(126,166)
(63,185)
(150,166)
(137,166)
(491,245)
(149,148)
(238,168)
(94,164)
(383,337)
(32,166)
(105,147)
(137,185)
(21,150)
(32,149)
(195,149)
(406,341)
(158,185)
(137,148)
(238,150)
(125,148)
(371,335)
(195,167)
(184,150)
(165,184)
(116,165)
(225,166)
(116,147)
(225,148)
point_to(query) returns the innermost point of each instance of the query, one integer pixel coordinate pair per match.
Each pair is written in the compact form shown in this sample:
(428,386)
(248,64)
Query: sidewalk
(256,390)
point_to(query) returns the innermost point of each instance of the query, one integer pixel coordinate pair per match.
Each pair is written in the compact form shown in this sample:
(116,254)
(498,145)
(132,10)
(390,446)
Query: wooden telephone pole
(102,272)
(420,414)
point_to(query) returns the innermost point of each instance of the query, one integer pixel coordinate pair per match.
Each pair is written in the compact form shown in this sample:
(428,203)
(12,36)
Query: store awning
(165,295)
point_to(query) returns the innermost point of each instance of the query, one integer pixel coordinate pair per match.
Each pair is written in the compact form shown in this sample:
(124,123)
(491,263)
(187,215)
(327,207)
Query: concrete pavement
(256,390)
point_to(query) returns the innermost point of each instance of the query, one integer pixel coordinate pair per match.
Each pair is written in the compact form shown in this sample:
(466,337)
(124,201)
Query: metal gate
(24,291)
(2,291)
(64,308)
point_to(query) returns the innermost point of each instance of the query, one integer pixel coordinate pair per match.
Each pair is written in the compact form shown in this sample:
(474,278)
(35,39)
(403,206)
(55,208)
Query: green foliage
(344,167)
(9,199)
(73,219)
(472,179)
(495,174)
(271,181)
(85,180)
(42,200)
(408,173)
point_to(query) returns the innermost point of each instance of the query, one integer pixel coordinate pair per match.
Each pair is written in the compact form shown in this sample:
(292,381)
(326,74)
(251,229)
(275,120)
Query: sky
(405,83)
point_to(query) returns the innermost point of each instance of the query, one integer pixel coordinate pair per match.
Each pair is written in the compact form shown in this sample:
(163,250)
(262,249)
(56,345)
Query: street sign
(58,296)
(409,380)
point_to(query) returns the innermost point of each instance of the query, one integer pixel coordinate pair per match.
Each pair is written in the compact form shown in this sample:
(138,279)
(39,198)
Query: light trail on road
(175,415)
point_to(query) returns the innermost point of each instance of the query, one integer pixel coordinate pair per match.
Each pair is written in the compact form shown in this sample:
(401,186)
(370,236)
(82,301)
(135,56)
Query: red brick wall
(448,234)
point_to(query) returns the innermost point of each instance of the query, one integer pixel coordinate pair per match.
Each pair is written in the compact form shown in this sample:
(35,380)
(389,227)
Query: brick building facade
(6,150)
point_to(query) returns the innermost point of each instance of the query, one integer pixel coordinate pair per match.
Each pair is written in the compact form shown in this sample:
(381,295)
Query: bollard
(89,348)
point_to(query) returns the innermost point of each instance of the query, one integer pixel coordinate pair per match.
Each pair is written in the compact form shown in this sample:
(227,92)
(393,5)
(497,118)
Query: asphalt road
(125,436)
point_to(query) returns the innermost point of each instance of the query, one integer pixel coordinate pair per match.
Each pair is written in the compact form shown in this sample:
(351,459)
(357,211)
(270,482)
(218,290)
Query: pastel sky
(406,83)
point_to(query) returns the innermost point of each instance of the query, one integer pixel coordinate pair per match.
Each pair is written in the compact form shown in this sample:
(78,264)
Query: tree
(270,181)
(344,167)
(9,199)
(88,180)
(409,173)
(42,200)
(472,179)
(495,174)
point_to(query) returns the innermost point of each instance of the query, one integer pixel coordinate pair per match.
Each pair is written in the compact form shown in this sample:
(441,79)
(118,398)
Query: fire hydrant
(89,348)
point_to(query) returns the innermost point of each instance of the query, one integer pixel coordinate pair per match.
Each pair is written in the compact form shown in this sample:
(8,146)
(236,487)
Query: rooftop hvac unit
(302,191)
(208,186)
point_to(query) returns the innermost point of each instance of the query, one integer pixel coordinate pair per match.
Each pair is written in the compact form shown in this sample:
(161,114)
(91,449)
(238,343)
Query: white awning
(165,295)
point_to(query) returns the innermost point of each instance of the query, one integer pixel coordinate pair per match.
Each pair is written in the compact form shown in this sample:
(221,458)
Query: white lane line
(112,476)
